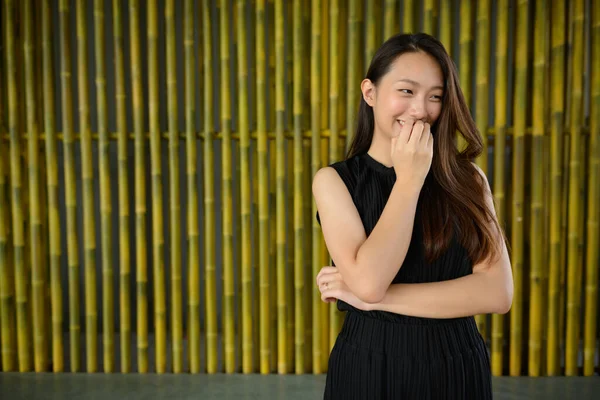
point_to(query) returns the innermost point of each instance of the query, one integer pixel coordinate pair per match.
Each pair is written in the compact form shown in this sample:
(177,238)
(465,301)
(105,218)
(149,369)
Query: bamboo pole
(464,69)
(226,144)
(282,361)
(518,179)
(593,221)
(537,201)
(389,20)
(160,314)
(263,190)
(245,197)
(7,280)
(175,207)
(124,242)
(556,185)
(192,200)
(575,204)
(483,85)
(298,192)
(369,48)
(352,77)
(87,171)
(140,190)
(408,25)
(500,146)
(446,25)
(105,202)
(70,186)
(209,198)
(315,115)
(33,169)
(429,17)
(371,40)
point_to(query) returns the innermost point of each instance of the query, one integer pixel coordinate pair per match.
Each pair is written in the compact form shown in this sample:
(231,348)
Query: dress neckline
(378,166)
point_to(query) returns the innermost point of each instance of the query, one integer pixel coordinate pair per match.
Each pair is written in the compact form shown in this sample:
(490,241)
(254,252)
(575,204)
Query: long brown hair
(452,199)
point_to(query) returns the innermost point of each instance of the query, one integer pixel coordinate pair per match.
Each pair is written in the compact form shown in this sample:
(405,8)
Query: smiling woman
(410,225)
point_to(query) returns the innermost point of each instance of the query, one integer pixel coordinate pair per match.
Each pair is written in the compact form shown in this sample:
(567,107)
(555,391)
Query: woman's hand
(333,288)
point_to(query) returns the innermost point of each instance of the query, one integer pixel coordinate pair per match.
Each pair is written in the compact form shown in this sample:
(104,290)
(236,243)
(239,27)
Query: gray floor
(221,387)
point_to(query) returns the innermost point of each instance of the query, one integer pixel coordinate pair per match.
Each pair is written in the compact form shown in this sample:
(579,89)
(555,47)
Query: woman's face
(412,89)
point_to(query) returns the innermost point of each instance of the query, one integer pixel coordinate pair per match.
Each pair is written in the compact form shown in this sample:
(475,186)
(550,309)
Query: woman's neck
(380,149)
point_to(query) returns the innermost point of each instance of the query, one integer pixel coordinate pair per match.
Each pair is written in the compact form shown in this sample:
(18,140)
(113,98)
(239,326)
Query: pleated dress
(381,355)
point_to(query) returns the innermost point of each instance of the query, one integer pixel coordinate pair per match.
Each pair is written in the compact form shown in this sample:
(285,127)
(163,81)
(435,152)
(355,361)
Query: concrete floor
(252,387)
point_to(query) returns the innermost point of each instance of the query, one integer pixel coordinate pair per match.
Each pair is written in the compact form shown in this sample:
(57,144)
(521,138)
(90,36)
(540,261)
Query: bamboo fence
(217,274)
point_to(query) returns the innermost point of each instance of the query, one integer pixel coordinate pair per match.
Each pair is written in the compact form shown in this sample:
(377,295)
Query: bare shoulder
(326,181)
(484,179)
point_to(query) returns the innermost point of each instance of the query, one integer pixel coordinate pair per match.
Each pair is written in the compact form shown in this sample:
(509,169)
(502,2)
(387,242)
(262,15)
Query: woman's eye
(407,91)
(436,98)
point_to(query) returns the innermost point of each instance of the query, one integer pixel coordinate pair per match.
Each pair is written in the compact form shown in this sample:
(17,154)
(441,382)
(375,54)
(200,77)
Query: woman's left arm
(489,289)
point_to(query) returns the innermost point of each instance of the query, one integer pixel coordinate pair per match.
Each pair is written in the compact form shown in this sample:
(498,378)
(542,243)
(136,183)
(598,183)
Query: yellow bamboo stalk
(556,185)
(263,190)
(464,69)
(389,19)
(245,198)
(70,186)
(7,290)
(315,102)
(537,202)
(298,192)
(408,18)
(282,361)
(175,207)
(226,144)
(105,202)
(308,218)
(87,171)
(500,146)
(575,204)
(352,77)
(33,169)
(209,197)
(192,200)
(124,243)
(273,254)
(593,222)
(369,48)
(483,84)
(160,314)
(446,25)
(518,181)
(140,191)
(429,17)
(371,40)
(289,233)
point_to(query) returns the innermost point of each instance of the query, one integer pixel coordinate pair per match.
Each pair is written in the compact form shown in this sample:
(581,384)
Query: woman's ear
(368,91)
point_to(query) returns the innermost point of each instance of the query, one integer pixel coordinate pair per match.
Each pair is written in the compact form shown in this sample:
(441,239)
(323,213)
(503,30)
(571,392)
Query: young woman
(410,225)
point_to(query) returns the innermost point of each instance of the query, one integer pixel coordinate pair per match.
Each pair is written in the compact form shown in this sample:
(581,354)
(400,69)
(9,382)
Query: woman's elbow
(503,302)
(370,294)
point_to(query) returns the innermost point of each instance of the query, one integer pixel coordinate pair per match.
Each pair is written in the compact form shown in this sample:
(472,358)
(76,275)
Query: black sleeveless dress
(382,355)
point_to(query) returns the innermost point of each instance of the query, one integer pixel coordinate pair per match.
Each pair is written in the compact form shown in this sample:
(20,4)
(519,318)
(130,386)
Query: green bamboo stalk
(87,171)
(289,233)
(408,18)
(273,253)
(308,218)
(352,77)
(446,25)
(575,204)
(33,169)
(282,361)
(371,40)
(298,192)
(175,207)
(70,186)
(160,314)
(140,190)
(518,180)
(105,202)
(593,221)
(245,198)
(124,243)
(500,146)
(464,69)
(315,102)
(369,48)
(556,185)
(52,182)
(7,290)
(263,190)
(429,17)
(389,19)
(226,144)
(537,201)
(209,197)
(483,84)
(192,200)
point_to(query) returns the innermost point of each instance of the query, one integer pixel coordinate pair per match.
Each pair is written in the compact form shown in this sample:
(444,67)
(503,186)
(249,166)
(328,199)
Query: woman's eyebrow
(418,84)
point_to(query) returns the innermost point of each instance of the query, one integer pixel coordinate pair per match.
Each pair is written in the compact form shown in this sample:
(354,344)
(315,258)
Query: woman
(410,225)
